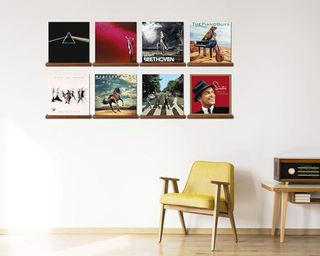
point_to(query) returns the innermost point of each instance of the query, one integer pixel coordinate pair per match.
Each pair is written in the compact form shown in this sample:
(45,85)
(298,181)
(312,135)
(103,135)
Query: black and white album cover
(69,95)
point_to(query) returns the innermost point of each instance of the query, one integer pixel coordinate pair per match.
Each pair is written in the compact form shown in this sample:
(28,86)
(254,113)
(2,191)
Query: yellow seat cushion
(192,200)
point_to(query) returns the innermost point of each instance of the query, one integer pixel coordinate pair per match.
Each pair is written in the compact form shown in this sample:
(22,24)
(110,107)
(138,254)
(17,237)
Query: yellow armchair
(209,190)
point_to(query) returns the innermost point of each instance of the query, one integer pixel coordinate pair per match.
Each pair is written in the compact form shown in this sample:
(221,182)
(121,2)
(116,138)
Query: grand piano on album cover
(210,43)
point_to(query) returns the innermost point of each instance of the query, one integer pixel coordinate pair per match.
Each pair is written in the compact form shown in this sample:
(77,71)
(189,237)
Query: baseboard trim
(152,231)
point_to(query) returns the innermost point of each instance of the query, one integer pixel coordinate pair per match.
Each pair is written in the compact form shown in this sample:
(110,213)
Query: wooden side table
(281,195)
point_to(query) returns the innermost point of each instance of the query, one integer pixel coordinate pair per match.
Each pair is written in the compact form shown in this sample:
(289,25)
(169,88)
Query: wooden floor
(147,245)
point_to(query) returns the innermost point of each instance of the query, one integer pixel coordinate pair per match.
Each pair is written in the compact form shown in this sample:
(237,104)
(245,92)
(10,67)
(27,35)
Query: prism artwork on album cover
(116,42)
(69,42)
(162,42)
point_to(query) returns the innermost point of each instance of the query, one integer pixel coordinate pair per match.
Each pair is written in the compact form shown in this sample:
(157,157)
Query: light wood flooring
(147,245)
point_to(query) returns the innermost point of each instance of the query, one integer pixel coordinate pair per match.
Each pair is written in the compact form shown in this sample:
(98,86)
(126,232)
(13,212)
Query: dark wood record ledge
(210,116)
(226,64)
(109,64)
(163,117)
(68,64)
(115,116)
(163,64)
(68,116)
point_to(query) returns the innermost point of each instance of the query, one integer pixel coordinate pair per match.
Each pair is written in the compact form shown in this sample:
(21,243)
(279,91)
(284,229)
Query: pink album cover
(116,42)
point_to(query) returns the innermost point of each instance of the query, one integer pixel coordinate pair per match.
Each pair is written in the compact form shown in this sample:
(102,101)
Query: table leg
(275,216)
(284,202)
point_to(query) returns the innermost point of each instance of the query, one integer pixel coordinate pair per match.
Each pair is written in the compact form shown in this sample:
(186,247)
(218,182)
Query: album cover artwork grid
(162,44)
(162,96)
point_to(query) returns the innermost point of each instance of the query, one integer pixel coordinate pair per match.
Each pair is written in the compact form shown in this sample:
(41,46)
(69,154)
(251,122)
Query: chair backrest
(202,172)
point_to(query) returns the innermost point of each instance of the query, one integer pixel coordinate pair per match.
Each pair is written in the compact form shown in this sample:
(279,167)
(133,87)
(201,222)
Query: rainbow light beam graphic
(72,38)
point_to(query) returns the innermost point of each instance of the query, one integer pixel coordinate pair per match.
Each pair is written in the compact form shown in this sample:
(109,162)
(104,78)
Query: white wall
(104,173)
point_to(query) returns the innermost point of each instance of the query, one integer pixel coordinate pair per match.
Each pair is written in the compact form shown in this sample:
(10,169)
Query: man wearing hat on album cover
(204,93)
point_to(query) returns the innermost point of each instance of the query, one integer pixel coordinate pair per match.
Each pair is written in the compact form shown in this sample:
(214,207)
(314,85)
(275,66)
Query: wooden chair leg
(214,230)
(182,222)
(176,190)
(230,211)
(162,216)
(215,218)
(233,225)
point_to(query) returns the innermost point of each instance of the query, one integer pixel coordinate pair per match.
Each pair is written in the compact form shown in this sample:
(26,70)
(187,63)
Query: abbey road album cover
(210,94)
(68,95)
(116,95)
(162,95)
(116,42)
(162,42)
(210,43)
(69,42)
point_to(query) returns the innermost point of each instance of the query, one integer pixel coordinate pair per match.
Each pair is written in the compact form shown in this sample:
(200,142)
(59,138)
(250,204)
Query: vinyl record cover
(162,42)
(210,94)
(116,42)
(69,42)
(69,95)
(210,42)
(116,94)
(162,95)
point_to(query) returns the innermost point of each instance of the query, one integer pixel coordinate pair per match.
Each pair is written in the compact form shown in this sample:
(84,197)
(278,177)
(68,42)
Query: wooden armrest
(166,183)
(219,182)
(168,178)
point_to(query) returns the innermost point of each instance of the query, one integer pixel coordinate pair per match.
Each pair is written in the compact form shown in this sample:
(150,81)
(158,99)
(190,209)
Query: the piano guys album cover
(69,42)
(162,42)
(116,42)
(210,43)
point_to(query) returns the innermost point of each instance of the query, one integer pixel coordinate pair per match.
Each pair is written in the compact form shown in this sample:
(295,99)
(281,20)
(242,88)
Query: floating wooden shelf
(223,64)
(115,116)
(163,64)
(163,117)
(68,64)
(211,116)
(109,64)
(68,116)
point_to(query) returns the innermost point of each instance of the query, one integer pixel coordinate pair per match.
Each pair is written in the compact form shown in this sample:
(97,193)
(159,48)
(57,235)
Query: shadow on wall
(246,196)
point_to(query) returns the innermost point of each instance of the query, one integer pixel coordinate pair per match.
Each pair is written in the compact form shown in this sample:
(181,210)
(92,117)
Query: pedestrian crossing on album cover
(162,95)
